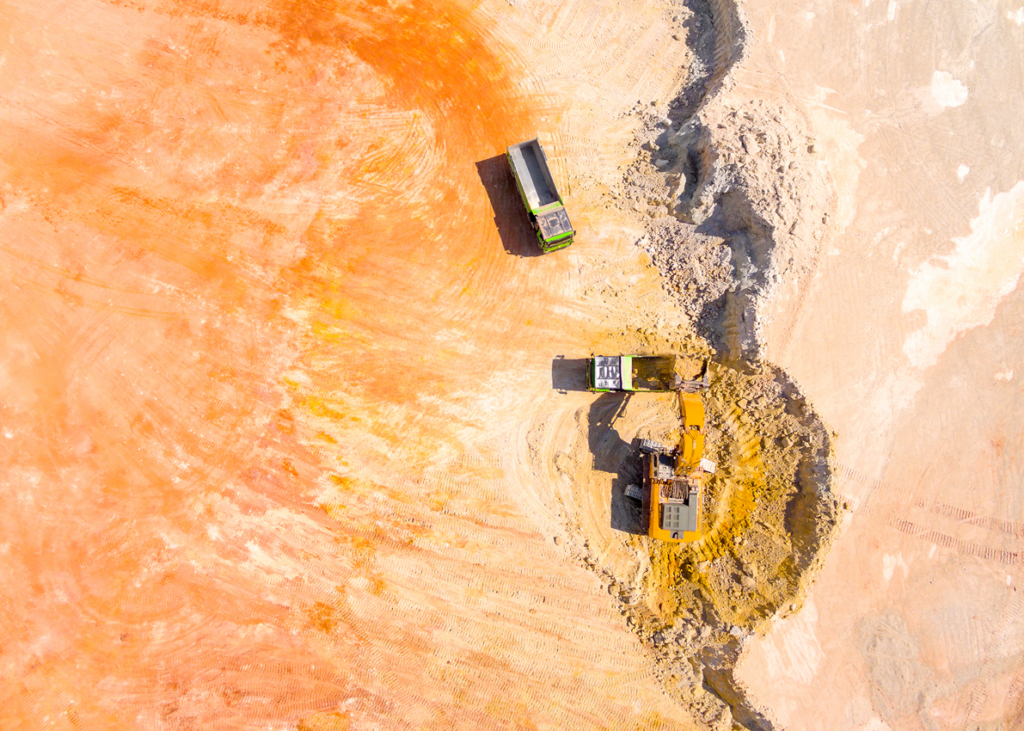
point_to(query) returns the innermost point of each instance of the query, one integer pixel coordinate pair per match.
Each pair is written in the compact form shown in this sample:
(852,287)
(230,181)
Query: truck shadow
(510,216)
(613,454)
(569,374)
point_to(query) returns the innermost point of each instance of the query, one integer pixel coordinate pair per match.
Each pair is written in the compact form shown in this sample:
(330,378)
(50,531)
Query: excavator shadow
(510,216)
(612,454)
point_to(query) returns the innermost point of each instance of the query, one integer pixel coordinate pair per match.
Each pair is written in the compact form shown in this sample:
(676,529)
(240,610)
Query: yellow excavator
(673,480)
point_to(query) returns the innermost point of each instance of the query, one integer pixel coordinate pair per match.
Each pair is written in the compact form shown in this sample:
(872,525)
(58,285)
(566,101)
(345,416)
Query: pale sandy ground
(275,395)
(908,339)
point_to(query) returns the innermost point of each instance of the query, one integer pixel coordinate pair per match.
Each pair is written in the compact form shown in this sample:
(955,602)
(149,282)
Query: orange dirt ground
(256,277)
(289,440)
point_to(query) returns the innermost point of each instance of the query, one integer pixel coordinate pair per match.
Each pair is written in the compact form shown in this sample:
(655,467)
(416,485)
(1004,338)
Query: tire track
(966,548)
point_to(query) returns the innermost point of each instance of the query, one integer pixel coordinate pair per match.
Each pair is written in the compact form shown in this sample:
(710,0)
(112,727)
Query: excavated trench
(709,171)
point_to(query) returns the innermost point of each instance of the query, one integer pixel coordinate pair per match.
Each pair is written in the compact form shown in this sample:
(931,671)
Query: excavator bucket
(694,385)
(691,407)
(691,450)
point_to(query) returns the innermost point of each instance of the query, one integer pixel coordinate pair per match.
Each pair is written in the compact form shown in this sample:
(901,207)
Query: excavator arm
(691,438)
(691,410)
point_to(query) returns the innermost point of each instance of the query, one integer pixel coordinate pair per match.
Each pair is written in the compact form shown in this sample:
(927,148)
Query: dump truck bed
(531,167)
(653,373)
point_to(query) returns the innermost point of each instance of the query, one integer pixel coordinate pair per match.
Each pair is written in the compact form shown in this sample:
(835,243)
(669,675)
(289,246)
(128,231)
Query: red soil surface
(252,275)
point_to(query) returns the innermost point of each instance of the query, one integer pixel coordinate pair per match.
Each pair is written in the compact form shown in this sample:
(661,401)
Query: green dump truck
(647,373)
(537,188)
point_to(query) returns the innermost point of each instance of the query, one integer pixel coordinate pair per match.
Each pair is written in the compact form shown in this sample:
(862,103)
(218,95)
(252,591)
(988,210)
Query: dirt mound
(740,200)
(769,517)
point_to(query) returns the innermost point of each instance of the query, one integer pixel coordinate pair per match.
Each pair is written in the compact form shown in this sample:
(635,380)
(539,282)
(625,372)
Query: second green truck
(647,373)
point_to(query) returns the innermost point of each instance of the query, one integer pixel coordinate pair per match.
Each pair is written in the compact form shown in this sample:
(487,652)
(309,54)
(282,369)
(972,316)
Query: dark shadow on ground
(615,455)
(726,321)
(510,215)
(569,374)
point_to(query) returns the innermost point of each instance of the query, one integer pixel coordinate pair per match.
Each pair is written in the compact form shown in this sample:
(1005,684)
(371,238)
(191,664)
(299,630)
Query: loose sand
(296,428)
